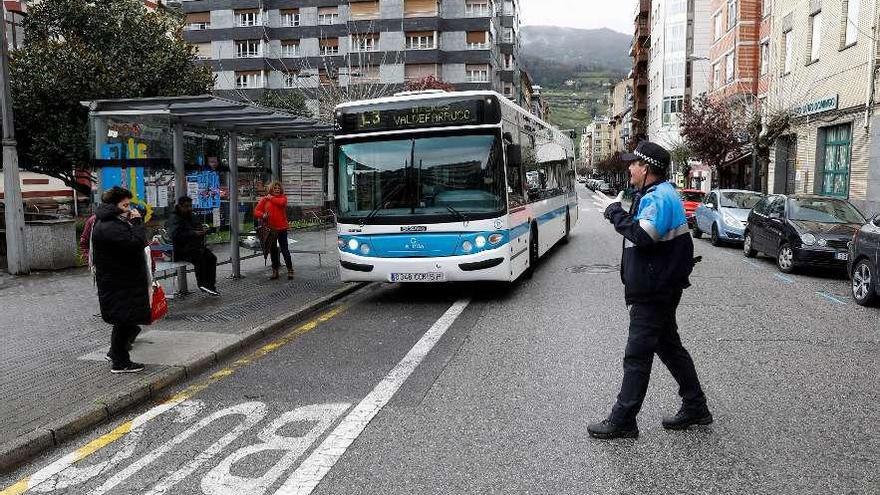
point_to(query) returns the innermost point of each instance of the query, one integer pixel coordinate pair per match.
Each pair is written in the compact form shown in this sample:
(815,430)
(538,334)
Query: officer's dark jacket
(658,253)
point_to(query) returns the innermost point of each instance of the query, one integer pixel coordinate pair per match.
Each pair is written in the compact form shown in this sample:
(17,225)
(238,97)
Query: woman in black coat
(121,272)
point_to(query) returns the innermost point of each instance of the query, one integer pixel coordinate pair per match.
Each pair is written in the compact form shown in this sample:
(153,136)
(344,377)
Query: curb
(29,445)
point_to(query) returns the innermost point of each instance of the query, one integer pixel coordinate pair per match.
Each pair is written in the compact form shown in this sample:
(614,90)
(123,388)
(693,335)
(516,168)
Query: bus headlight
(365,249)
(495,238)
(353,244)
(467,247)
(480,241)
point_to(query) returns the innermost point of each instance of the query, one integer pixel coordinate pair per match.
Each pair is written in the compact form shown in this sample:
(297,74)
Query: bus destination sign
(399,117)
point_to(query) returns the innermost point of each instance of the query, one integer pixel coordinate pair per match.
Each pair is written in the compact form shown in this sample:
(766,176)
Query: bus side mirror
(321,156)
(514,155)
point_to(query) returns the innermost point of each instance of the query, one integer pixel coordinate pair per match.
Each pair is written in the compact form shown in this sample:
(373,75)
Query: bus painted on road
(448,186)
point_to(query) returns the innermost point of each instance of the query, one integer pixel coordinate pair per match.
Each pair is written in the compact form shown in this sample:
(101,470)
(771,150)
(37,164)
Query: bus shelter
(218,151)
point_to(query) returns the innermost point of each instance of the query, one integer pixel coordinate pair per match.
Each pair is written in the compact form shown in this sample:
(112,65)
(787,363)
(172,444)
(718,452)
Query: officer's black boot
(687,418)
(607,430)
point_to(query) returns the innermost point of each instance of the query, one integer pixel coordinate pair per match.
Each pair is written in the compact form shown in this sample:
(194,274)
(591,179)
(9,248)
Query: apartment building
(639,51)
(620,115)
(823,67)
(253,45)
(600,140)
(739,71)
(677,64)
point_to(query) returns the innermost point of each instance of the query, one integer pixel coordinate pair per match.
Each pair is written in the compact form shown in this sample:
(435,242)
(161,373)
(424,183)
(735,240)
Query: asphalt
(501,403)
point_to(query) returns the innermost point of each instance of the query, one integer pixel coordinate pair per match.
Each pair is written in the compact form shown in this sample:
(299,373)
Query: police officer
(656,263)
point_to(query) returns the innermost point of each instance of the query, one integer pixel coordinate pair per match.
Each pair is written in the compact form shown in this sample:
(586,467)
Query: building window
(326,78)
(203,50)
(716,76)
(197,21)
(509,8)
(508,61)
(478,40)
(851,32)
(414,72)
(719,26)
(367,73)
(730,67)
(328,16)
(508,35)
(365,42)
(364,10)
(329,46)
(672,105)
(426,40)
(766,8)
(731,14)
(765,57)
(835,170)
(290,79)
(290,48)
(786,52)
(507,90)
(477,73)
(420,8)
(290,18)
(815,36)
(248,49)
(246,18)
(249,80)
(477,8)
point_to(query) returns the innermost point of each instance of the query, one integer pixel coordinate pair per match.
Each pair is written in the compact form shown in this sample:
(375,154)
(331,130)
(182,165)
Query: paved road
(488,389)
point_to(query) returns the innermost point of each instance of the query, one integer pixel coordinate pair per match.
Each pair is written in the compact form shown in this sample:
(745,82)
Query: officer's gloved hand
(606,201)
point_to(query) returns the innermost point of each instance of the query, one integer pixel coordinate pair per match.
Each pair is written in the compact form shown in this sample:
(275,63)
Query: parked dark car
(802,231)
(604,187)
(864,258)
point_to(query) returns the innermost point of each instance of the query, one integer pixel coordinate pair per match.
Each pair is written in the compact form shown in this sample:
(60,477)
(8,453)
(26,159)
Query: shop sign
(816,106)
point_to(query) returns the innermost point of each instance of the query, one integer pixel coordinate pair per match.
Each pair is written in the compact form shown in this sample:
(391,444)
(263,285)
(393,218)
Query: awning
(213,113)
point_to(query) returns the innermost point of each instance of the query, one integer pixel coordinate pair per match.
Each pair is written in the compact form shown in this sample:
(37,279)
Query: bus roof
(436,95)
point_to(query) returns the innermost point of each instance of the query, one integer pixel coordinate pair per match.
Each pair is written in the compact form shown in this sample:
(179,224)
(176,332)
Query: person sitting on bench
(188,241)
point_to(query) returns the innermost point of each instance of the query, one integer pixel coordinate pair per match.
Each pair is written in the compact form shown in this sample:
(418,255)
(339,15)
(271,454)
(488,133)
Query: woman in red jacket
(272,209)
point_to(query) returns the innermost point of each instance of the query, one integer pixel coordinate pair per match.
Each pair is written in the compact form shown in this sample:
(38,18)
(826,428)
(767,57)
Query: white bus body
(427,190)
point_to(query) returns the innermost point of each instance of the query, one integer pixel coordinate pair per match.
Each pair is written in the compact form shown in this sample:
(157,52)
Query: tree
(428,82)
(680,156)
(764,128)
(710,130)
(289,101)
(80,50)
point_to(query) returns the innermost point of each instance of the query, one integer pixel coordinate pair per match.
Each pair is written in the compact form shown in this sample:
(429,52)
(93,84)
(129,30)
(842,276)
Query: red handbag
(158,303)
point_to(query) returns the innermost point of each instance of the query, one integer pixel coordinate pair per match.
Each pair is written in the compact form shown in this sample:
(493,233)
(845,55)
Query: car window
(824,210)
(777,207)
(740,199)
(691,196)
(761,207)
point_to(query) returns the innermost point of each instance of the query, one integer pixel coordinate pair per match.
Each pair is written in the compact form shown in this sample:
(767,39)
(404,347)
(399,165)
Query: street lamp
(16,256)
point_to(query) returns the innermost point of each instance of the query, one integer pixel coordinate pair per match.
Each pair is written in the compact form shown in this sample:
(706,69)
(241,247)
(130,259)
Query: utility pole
(16,255)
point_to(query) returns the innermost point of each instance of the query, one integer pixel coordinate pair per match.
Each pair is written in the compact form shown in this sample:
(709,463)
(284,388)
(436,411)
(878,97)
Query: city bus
(448,186)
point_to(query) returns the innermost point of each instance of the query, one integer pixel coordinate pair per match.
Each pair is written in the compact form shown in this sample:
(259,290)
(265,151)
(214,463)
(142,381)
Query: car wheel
(697,233)
(747,246)
(716,241)
(863,289)
(785,259)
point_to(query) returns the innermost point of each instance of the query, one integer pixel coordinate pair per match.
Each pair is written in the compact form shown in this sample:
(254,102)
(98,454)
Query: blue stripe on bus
(422,245)
(523,228)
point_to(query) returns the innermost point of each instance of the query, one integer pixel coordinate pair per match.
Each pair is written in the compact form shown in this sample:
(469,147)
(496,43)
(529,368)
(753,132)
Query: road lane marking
(52,472)
(310,473)
(831,298)
(750,262)
(785,279)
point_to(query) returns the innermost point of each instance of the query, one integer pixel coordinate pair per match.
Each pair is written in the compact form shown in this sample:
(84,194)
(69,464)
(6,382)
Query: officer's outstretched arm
(640,232)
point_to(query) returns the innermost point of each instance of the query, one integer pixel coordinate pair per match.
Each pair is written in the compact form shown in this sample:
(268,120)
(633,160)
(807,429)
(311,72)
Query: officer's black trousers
(653,329)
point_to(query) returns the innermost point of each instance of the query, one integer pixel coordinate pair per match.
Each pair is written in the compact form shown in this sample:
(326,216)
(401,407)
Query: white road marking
(321,461)
(222,481)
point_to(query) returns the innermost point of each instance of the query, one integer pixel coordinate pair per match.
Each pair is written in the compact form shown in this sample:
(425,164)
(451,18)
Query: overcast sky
(586,14)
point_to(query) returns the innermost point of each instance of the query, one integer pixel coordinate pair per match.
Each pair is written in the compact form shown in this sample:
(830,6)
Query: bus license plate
(418,277)
(842,256)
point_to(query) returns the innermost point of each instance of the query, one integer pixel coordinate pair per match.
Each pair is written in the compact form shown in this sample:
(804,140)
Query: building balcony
(642,9)
(642,30)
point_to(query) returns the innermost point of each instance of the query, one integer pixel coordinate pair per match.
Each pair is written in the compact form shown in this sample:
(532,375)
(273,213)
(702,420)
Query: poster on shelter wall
(131,178)
(204,189)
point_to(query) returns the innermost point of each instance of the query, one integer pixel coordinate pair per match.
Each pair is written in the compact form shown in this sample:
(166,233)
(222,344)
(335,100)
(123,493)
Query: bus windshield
(459,175)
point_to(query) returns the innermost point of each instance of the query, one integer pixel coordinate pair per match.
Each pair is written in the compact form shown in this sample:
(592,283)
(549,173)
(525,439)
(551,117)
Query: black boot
(607,430)
(685,419)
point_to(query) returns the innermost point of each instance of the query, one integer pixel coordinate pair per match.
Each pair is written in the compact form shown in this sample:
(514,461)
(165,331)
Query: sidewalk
(54,381)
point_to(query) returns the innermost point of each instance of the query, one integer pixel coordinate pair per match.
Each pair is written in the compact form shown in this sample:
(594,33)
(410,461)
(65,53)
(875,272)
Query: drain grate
(593,269)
